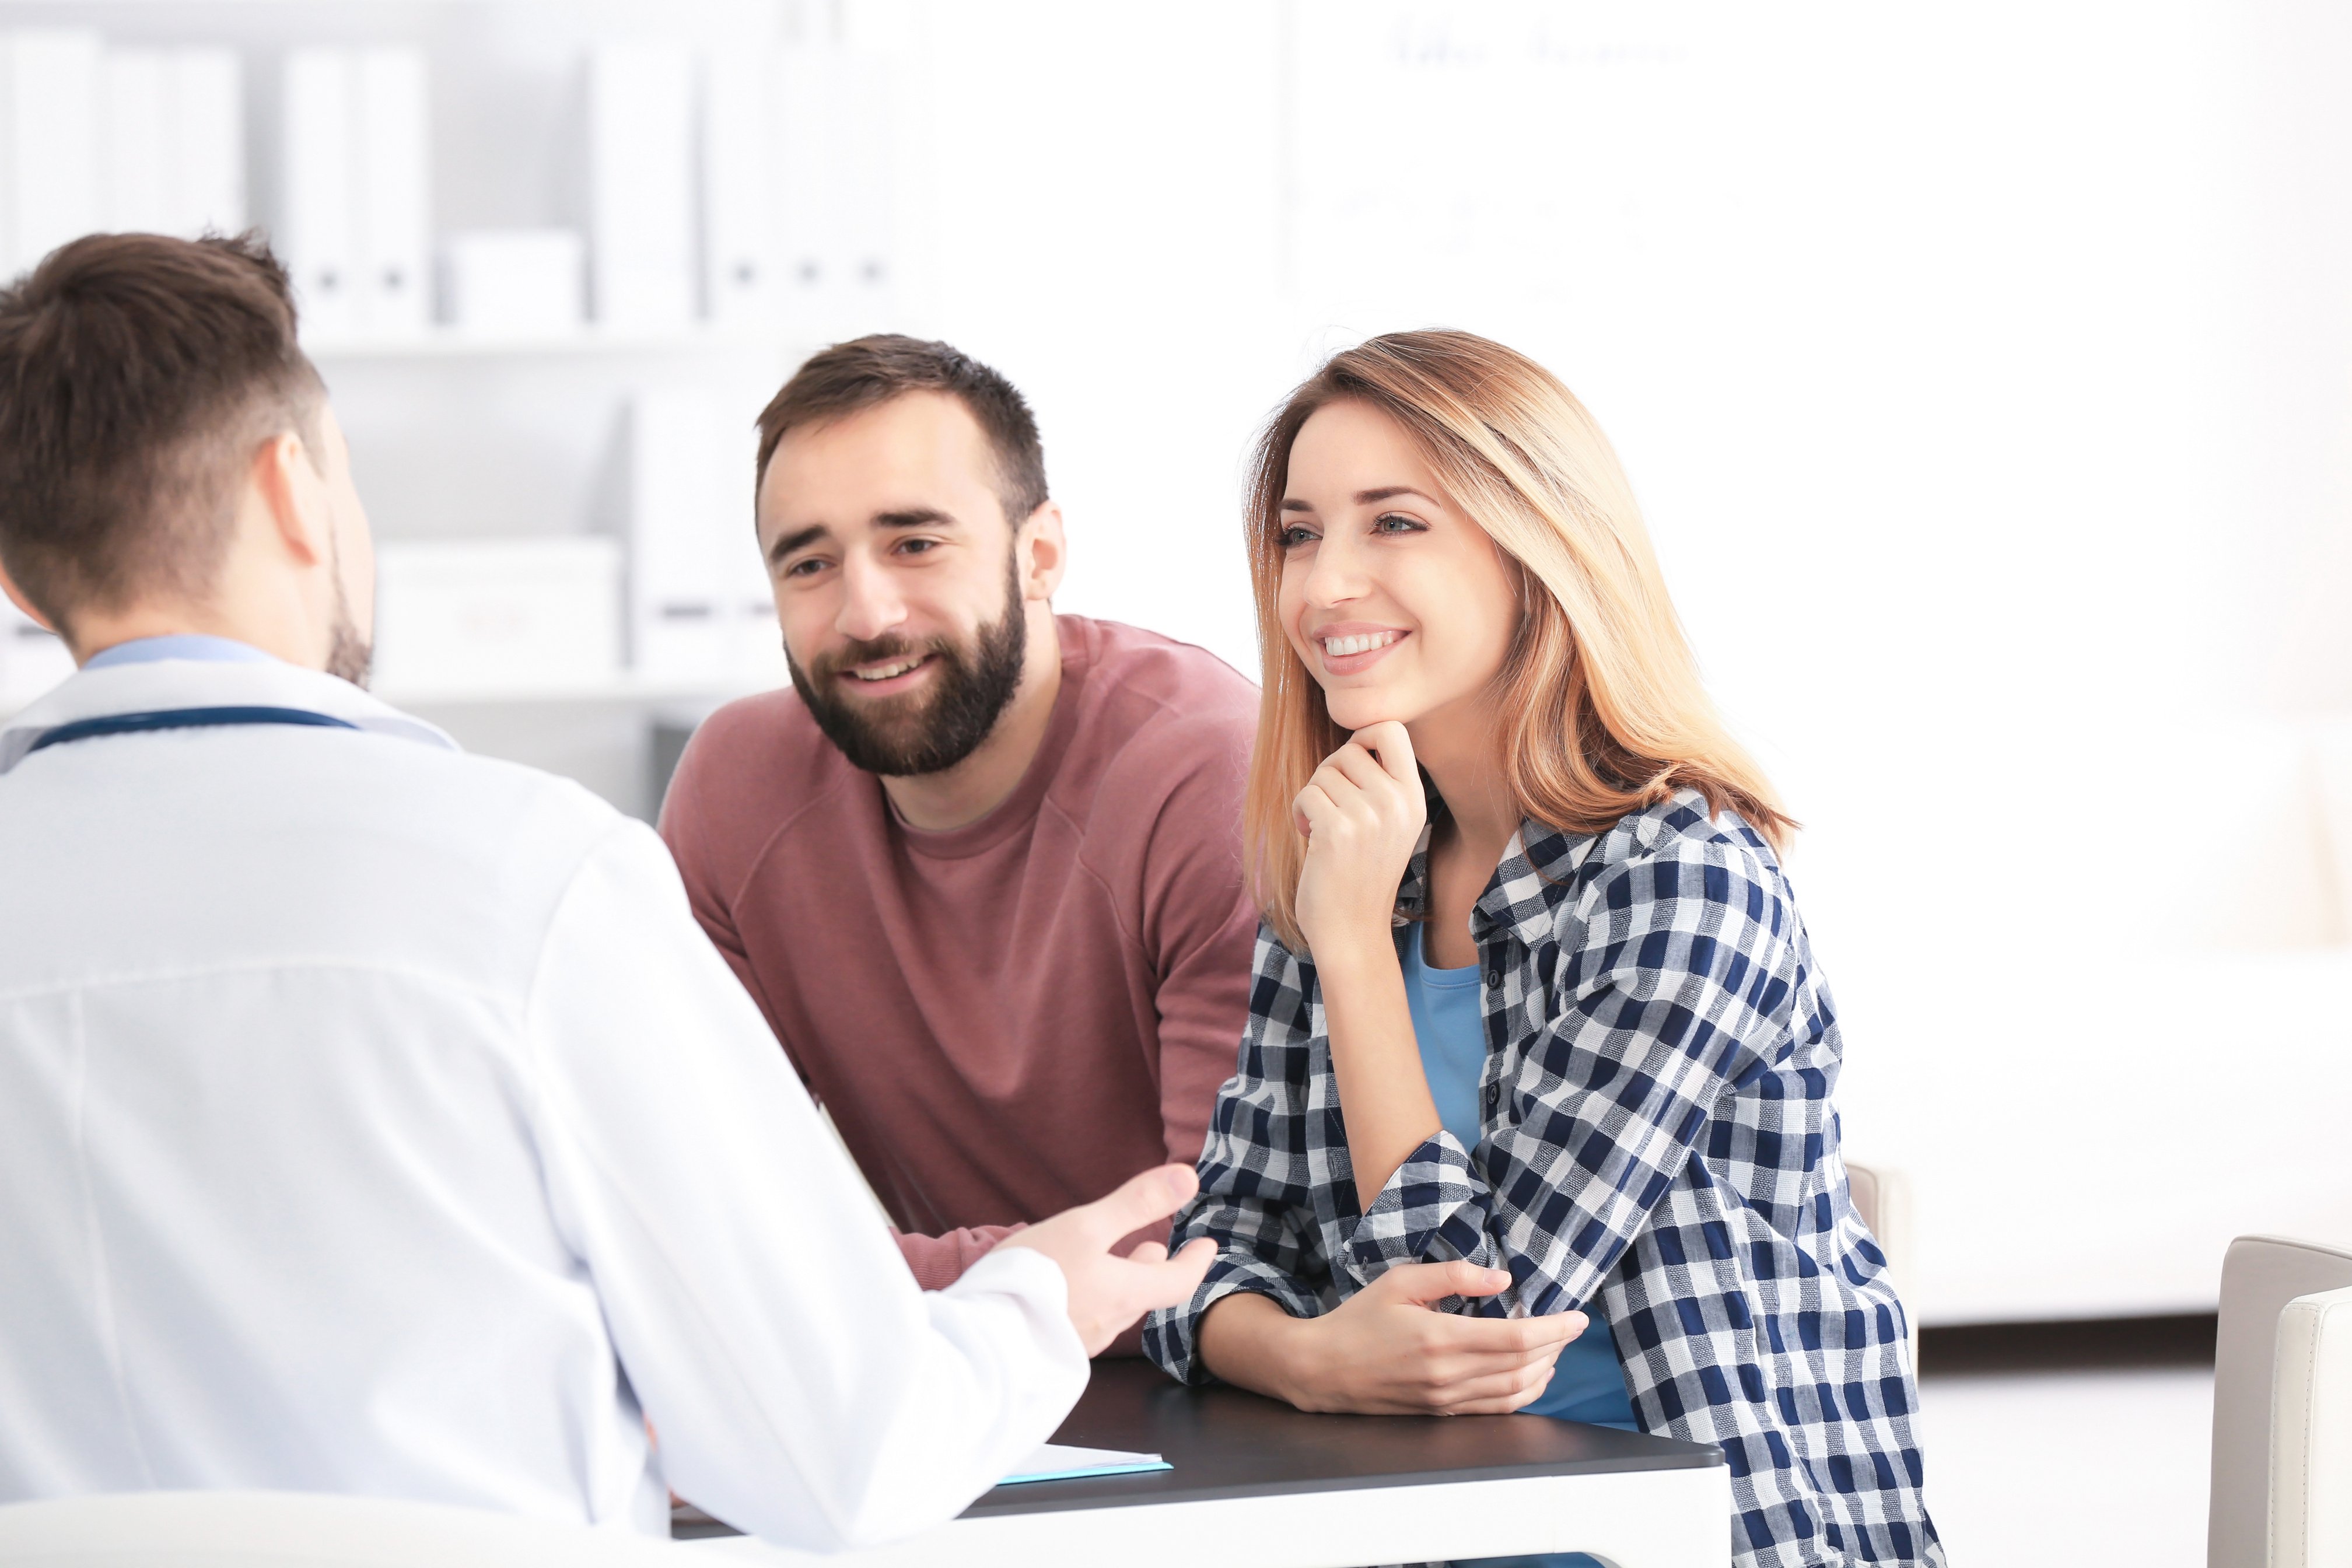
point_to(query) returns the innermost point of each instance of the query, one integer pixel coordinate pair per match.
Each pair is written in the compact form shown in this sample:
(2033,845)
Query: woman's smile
(1350,649)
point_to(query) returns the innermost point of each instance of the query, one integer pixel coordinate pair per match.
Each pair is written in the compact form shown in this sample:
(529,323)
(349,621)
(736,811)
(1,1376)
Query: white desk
(1259,1485)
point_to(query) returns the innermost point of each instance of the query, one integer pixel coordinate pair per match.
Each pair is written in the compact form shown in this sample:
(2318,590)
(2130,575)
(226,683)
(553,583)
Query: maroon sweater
(1012,1017)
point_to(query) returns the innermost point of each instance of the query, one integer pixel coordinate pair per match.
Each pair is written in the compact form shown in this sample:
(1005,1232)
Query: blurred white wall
(1985,371)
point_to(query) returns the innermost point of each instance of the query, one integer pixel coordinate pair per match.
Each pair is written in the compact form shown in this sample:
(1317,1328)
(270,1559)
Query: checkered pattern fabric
(1657,1135)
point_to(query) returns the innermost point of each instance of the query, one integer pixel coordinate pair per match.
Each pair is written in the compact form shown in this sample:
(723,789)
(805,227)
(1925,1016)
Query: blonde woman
(1537,1036)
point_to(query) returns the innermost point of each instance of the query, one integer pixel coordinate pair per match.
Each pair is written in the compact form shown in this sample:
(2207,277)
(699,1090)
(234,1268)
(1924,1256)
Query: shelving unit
(628,691)
(476,434)
(590,342)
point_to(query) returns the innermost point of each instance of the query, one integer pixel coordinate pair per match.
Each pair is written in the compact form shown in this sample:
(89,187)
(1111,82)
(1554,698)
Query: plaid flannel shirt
(1658,1135)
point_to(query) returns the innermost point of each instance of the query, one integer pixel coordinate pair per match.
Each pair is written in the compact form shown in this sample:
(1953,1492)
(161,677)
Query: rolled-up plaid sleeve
(1257,1173)
(1668,989)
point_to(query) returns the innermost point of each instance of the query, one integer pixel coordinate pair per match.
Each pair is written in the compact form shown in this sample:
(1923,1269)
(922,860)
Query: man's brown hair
(137,374)
(865,371)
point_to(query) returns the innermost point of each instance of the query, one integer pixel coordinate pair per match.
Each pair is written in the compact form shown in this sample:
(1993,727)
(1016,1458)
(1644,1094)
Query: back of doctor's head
(139,376)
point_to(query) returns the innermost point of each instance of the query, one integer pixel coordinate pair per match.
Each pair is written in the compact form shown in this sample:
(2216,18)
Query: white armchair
(2311,1434)
(1882,1197)
(2281,1493)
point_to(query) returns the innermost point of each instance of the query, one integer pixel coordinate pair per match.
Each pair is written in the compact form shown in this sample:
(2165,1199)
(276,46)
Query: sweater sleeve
(939,1261)
(1199,926)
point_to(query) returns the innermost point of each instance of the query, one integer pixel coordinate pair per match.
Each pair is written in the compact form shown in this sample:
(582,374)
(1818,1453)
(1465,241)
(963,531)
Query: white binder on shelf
(755,641)
(170,140)
(808,187)
(699,605)
(864,159)
(392,232)
(641,184)
(204,147)
(134,135)
(837,219)
(740,273)
(317,223)
(747,600)
(49,100)
(677,623)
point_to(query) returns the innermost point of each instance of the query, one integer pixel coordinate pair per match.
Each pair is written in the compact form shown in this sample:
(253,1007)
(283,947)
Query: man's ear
(293,495)
(1044,551)
(16,597)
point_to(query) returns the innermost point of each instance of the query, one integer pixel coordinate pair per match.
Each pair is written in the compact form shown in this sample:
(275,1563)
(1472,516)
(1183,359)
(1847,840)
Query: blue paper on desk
(1060,1462)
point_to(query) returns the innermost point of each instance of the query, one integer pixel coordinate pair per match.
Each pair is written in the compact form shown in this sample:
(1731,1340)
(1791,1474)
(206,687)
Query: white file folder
(171,138)
(392,231)
(134,135)
(739,267)
(317,226)
(641,184)
(50,96)
(677,624)
(864,159)
(807,182)
(747,596)
(204,150)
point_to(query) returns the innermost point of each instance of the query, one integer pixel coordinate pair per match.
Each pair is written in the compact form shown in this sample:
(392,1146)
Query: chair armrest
(2311,1433)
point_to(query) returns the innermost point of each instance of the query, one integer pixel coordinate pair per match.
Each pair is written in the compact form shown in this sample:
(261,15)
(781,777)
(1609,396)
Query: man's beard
(901,737)
(347,657)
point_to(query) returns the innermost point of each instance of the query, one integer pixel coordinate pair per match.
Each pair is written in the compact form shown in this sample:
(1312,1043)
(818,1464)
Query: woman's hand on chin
(1361,815)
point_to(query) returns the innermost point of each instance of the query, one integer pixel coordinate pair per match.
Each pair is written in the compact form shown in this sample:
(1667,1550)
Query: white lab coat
(375,1119)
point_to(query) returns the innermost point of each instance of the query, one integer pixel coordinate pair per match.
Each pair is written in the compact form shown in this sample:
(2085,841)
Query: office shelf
(624,689)
(447,344)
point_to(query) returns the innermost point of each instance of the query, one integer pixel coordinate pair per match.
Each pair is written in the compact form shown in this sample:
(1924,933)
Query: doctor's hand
(1386,1350)
(1108,1293)
(1361,814)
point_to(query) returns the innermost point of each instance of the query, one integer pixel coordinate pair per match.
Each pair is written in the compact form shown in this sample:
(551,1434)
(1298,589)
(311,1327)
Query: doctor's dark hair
(139,375)
(849,378)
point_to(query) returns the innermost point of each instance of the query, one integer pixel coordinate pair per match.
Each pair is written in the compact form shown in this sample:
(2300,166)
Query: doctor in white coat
(375,1118)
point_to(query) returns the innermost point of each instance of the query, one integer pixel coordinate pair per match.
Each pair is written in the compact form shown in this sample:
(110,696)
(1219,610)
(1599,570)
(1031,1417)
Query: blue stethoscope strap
(183,718)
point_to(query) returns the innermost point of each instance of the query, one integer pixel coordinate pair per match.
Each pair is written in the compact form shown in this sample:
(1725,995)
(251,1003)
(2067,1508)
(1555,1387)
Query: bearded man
(980,866)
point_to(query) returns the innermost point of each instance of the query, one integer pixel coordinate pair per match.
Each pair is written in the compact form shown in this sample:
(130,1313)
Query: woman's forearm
(1248,1340)
(1384,1097)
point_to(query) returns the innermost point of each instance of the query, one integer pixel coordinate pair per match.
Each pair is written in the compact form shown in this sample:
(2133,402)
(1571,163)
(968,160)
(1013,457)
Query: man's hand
(1107,1292)
(1384,1351)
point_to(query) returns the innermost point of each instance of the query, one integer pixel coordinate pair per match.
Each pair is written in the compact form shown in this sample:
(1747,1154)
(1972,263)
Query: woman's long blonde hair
(1600,698)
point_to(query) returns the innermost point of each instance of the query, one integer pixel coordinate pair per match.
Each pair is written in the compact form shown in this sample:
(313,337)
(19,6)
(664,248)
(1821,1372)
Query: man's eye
(806,566)
(916,546)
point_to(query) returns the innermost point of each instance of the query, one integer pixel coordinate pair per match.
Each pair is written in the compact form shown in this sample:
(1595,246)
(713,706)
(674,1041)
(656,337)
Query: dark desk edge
(1170,1485)
(690,1523)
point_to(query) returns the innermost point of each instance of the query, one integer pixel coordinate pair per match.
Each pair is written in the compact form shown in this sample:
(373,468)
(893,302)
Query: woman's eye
(1292,537)
(1394,522)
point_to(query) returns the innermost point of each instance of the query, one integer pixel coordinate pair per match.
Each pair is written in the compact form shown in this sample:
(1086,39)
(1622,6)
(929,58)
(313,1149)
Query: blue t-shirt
(1587,1383)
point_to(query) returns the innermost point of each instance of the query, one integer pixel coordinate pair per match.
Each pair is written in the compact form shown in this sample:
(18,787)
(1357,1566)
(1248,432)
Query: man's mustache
(855,653)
